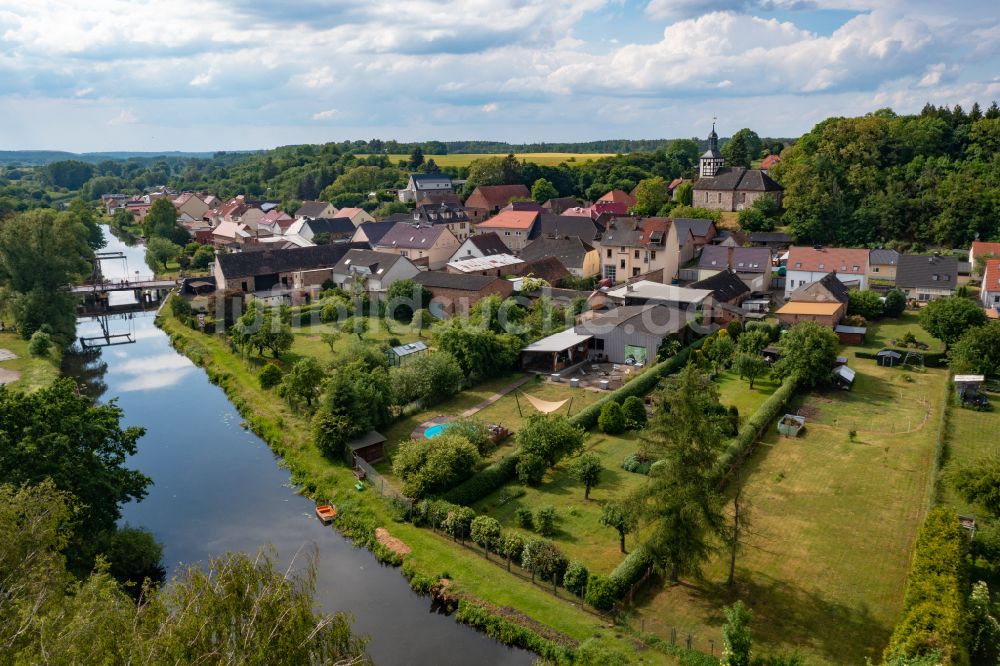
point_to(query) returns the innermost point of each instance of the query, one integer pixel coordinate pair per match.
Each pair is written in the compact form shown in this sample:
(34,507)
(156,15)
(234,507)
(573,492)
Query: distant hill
(43,157)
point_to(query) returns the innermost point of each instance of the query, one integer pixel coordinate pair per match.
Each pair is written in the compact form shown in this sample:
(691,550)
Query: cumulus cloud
(460,68)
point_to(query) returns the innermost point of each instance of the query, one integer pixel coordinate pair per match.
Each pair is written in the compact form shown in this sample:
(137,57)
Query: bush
(270,376)
(524,518)
(545,521)
(40,344)
(636,463)
(490,479)
(602,592)
(895,303)
(575,578)
(631,569)
(635,412)
(531,469)
(427,466)
(735,329)
(612,418)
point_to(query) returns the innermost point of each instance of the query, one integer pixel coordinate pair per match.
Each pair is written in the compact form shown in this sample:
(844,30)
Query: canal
(217,488)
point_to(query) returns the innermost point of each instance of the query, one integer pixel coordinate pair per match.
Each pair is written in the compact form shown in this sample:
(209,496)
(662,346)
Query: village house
(632,247)
(569,226)
(702,231)
(730,188)
(423,244)
(557,205)
(632,334)
(299,273)
(808,264)
(549,269)
(580,258)
(773,240)
(497,265)
(641,292)
(422,184)
(487,200)
(357,216)
(927,277)
(751,264)
(882,269)
(452,215)
(769,163)
(113,202)
(728,292)
(823,301)
(377,271)
(515,228)
(191,204)
(980,252)
(138,208)
(372,232)
(232,235)
(615,202)
(480,245)
(989,293)
(337,229)
(311,210)
(456,293)
(275,221)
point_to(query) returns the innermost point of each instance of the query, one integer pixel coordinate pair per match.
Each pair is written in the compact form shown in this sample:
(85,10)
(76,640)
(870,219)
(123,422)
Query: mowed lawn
(34,372)
(579,533)
(737,392)
(972,436)
(833,525)
(308,340)
(543,159)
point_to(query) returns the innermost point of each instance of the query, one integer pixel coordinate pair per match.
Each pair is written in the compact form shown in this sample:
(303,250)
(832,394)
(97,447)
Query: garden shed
(771,353)
(791,424)
(968,385)
(370,447)
(843,377)
(888,358)
(851,335)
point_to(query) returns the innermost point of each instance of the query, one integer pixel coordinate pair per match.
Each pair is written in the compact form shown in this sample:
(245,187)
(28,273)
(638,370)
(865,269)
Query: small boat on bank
(326,513)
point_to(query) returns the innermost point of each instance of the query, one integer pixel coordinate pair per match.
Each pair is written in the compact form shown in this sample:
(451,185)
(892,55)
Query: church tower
(711,161)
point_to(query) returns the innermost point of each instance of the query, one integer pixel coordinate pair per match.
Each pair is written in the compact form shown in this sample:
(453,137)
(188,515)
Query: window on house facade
(636,254)
(404,253)
(874,269)
(610,272)
(623,263)
(652,255)
(609,253)
(635,271)
(720,197)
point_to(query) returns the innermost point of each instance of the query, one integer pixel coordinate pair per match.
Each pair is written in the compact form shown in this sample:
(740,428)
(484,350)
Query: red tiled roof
(841,260)
(510,219)
(496,196)
(769,161)
(981,249)
(991,275)
(618,196)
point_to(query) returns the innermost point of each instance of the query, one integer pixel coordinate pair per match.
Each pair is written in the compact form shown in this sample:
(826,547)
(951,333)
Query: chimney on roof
(629,287)
(729,257)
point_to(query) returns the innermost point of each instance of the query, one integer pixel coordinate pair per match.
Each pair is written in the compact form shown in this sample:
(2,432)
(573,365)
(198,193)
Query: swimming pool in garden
(436,430)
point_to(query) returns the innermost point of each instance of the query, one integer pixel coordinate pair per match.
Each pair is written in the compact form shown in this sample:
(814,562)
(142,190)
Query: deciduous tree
(587,470)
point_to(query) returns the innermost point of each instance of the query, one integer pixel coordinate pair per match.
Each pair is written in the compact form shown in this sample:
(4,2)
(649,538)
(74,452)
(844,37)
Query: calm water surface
(219,488)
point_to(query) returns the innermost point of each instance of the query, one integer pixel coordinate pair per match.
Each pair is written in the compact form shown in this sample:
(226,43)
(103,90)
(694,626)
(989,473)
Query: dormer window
(935,277)
(822,266)
(856,268)
(798,264)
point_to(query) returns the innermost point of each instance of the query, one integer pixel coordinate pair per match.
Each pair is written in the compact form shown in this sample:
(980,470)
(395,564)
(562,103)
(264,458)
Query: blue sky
(236,74)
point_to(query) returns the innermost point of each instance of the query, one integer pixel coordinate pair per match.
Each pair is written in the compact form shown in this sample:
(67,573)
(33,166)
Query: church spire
(711,161)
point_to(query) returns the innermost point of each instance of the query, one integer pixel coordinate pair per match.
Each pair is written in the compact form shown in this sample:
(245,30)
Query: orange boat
(326,513)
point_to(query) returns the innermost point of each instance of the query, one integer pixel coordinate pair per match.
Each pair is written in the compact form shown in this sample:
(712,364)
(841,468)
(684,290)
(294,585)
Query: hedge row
(755,426)
(931,359)
(640,386)
(934,609)
(631,569)
(492,478)
(509,633)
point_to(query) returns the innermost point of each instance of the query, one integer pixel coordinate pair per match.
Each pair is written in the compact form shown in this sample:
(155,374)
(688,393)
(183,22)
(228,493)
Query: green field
(34,372)
(543,159)
(833,521)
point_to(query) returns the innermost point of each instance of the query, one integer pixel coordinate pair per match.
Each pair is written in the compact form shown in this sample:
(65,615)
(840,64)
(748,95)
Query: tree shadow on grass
(787,616)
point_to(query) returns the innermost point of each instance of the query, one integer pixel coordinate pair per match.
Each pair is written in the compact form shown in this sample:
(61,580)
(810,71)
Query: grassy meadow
(34,372)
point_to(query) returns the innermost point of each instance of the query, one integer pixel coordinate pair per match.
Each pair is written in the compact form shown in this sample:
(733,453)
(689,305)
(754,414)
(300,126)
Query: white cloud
(125,117)
(324,115)
(442,68)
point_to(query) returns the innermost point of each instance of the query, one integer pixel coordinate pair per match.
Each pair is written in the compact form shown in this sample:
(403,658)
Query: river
(217,488)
